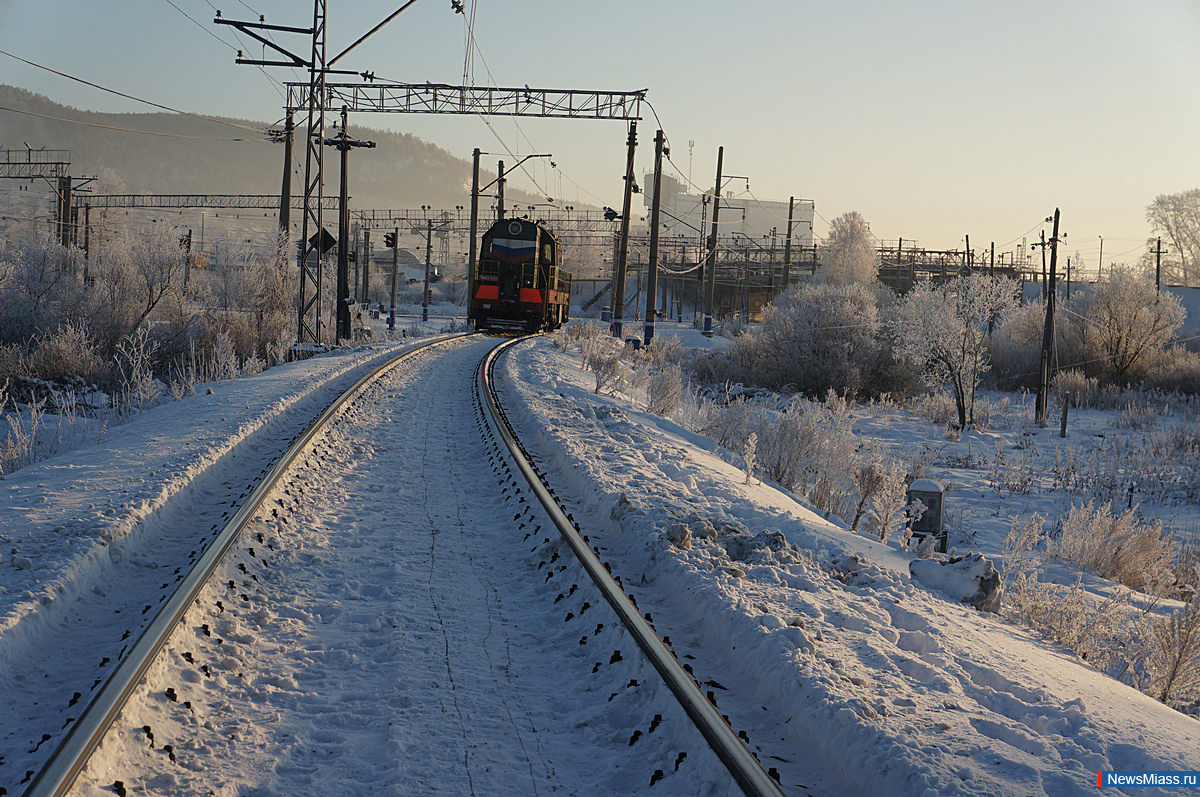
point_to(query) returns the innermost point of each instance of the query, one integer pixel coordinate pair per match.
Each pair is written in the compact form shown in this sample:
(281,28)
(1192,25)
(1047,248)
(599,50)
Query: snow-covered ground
(398,579)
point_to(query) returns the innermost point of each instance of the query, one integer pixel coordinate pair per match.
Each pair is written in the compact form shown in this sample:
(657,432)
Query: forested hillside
(188,155)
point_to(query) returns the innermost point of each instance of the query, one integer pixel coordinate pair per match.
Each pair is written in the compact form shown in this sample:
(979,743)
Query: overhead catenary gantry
(441,98)
(438,98)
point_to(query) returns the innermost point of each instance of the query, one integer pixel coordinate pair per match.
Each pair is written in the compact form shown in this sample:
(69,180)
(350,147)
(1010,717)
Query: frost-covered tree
(39,287)
(849,253)
(1126,320)
(131,275)
(944,330)
(1177,218)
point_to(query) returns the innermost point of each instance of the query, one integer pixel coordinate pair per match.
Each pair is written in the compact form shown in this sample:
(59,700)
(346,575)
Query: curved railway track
(85,734)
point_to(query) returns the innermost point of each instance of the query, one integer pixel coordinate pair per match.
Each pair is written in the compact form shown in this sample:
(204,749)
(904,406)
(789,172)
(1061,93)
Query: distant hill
(401,172)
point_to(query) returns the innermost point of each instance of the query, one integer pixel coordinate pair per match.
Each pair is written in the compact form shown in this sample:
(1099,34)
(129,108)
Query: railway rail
(70,757)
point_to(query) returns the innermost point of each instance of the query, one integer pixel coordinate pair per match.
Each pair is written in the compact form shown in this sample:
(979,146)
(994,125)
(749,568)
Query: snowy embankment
(848,676)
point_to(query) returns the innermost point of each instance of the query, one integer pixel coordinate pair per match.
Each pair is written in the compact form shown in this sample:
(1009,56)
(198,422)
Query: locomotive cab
(519,285)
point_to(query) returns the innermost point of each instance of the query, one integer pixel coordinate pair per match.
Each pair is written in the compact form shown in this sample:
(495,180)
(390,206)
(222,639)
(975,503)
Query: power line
(127,96)
(129,130)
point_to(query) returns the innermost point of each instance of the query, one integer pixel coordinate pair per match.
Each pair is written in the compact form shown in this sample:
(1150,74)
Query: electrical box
(932,494)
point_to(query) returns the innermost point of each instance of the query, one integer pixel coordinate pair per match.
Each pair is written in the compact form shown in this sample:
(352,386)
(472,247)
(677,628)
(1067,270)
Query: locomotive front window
(527,276)
(548,253)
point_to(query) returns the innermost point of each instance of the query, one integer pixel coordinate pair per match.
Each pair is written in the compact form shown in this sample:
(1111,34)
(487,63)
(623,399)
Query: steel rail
(70,757)
(745,768)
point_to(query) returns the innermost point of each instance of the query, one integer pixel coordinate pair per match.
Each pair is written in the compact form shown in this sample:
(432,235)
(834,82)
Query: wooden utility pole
(344,144)
(1158,253)
(652,266)
(473,246)
(1048,330)
(428,259)
(395,269)
(617,327)
(285,192)
(787,247)
(500,191)
(710,287)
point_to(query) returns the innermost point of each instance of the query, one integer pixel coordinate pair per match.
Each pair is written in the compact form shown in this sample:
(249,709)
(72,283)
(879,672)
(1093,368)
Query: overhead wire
(130,130)
(275,83)
(127,96)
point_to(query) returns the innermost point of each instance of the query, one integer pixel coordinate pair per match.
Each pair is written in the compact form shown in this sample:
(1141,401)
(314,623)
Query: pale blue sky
(934,119)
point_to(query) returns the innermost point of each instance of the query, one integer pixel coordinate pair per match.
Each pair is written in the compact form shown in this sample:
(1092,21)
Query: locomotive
(518,282)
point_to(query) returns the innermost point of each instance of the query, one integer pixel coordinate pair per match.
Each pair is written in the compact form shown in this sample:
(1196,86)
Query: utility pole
(710,288)
(64,211)
(473,246)
(395,269)
(1158,253)
(428,255)
(500,191)
(344,144)
(1048,330)
(366,265)
(787,247)
(285,192)
(623,248)
(652,267)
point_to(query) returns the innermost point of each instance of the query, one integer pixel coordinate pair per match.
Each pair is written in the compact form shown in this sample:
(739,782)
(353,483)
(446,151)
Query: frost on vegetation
(1158,655)
(664,390)
(806,447)
(1139,555)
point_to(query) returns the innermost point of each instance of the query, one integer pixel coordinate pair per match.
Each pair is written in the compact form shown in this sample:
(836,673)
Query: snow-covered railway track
(98,711)
(743,765)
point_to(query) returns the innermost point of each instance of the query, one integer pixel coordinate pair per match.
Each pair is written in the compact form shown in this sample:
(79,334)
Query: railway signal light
(389,240)
(610,214)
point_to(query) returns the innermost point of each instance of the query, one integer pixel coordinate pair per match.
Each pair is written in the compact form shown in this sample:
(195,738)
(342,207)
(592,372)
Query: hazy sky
(935,120)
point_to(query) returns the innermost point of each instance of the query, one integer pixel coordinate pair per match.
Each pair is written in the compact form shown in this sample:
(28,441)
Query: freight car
(518,283)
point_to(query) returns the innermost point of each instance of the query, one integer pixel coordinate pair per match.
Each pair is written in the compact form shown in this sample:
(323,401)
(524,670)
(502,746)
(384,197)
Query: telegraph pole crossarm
(249,29)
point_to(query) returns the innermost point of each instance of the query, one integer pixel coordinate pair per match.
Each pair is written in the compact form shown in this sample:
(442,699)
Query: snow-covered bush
(814,338)
(40,287)
(882,501)
(1082,389)
(602,355)
(1139,555)
(1173,664)
(664,390)
(66,353)
(805,446)
(138,386)
(130,275)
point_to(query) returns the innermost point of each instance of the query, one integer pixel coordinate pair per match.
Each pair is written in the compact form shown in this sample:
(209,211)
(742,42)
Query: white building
(742,215)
